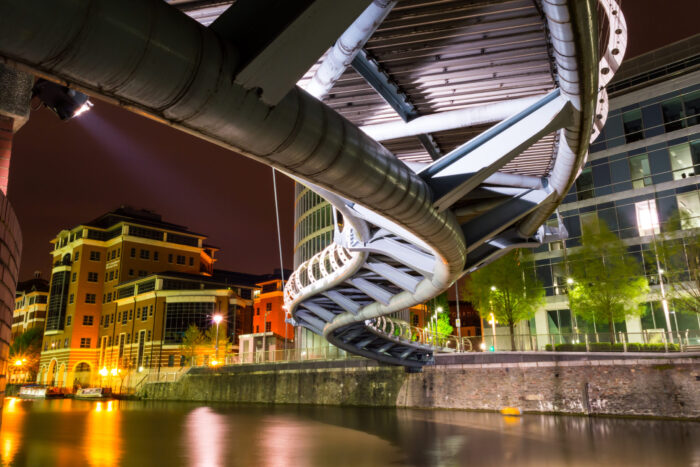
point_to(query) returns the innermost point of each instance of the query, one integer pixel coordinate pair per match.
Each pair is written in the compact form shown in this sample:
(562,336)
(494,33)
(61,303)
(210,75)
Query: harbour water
(110,433)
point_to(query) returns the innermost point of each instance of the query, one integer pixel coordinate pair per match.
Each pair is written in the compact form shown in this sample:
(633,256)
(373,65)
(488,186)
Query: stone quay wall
(646,385)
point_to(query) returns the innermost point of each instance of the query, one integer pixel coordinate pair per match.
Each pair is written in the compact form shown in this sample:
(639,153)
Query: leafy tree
(191,340)
(508,288)
(440,305)
(210,338)
(607,285)
(678,253)
(26,348)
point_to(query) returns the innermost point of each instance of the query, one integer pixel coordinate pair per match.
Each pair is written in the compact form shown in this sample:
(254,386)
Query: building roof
(137,216)
(33,285)
(657,65)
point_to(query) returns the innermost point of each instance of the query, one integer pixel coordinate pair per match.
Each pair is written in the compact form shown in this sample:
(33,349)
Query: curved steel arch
(406,236)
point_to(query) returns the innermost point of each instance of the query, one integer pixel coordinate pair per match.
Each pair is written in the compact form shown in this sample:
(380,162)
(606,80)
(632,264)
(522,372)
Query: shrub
(570,347)
(600,346)
(548,347)
(634,347)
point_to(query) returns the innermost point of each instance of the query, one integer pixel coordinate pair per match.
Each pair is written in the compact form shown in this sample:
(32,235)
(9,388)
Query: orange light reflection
(103,437)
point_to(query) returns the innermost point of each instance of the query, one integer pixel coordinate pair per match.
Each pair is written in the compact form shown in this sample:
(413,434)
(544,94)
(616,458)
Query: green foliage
(507,287)
(608,347)
(678,253)
(191,340)
(27,348)
(210,337)
(607,286)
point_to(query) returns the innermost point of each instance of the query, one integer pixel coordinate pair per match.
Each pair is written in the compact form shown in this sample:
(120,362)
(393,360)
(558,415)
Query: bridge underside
(443,133)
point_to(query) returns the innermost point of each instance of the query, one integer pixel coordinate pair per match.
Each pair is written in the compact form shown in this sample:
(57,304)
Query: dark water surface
(79,433)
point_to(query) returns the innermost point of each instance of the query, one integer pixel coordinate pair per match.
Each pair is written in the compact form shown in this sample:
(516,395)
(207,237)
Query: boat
(93,393)
(35,391)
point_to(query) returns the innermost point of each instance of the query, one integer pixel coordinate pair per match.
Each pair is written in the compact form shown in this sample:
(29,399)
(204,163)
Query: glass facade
(641,174)
(313,224)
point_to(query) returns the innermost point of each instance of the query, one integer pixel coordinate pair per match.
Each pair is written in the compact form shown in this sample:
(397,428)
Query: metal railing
(651,340)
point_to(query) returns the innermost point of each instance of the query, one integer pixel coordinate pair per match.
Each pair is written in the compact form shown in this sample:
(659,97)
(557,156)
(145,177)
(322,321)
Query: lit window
(647,217)
(640,171)
(84,342)
(682,162)
(689,207)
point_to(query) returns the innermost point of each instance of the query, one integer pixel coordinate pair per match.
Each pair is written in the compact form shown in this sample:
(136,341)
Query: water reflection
(11,427)
(102,439)
(206,435)
(69,432)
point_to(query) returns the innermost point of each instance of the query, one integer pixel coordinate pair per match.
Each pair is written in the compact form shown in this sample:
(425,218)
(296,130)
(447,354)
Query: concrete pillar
(542,328)
(15,93)
(634,329)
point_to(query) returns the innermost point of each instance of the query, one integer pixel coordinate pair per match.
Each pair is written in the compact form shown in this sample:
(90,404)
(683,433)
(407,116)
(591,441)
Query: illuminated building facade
(90,261)
(270,332)
(30,305)
(143,327)
(642,170)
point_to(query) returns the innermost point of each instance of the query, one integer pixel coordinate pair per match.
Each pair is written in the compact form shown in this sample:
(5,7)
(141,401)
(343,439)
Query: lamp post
(492,319)
(435,316)
(458,321)
(217,319)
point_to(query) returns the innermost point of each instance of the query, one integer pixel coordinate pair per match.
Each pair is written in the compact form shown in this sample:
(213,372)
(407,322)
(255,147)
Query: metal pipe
(172,69)
(346,48)
(450,120)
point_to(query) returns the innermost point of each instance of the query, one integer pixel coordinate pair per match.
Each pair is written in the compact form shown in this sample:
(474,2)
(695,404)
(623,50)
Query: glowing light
(84,108)
(493,288)
(98,407)
(661,271)
(114,371)
(18,362)
(569,281)
(218,318)
(482,346)
(109,406)
(104,371)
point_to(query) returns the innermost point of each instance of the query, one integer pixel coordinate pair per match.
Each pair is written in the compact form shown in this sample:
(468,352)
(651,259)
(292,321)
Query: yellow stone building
(30,305)
(109,294)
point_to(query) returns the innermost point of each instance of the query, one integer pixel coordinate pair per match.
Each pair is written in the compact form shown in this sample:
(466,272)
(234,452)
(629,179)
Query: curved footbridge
(492,105)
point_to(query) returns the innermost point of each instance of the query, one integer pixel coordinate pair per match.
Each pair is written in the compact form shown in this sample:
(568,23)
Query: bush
(548,347)
(600,346)
(634,347)
(570,347)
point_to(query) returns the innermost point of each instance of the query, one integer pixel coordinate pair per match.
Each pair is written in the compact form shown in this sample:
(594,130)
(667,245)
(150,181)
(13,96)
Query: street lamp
(217,319)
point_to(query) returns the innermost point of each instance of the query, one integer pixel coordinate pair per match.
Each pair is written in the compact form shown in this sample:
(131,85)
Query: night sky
(67,173)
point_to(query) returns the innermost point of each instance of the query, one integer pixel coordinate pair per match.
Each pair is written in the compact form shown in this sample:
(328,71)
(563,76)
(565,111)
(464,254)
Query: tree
(26,349)
(678,251)
(440,306)
(607,285)
(191,340)
(210,338)
(508,288)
